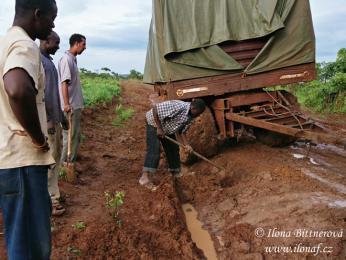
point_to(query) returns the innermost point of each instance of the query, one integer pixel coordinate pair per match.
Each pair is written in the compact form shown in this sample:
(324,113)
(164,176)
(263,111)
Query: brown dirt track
(263,188)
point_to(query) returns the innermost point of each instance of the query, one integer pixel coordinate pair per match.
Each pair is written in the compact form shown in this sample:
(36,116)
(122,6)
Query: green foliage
(74,251)
(324,97)
(80,225)
(328,94)
(62,173)
(311,95)
(83,138)
(325,71)
(341,61)
(98,87)
(106,69)
(113,202)
(135,75)
(122,115)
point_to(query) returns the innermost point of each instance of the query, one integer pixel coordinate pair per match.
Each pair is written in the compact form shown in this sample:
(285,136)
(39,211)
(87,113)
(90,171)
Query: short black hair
(199,104)
(76,37)
(24,5)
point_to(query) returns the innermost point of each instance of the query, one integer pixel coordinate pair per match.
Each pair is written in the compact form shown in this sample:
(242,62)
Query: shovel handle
(195,153)
(69,140)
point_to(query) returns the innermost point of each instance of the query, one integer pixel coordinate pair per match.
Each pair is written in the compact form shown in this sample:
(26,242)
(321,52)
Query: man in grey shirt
(71,92)
(54,116)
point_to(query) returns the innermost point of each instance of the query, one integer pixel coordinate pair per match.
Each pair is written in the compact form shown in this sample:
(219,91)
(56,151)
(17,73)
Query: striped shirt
(174,116)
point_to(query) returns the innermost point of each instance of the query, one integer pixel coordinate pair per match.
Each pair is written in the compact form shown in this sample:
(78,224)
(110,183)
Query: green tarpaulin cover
(184,36)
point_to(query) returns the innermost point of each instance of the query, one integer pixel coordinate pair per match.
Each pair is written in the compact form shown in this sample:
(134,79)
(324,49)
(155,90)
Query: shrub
(122,115)
(98,88)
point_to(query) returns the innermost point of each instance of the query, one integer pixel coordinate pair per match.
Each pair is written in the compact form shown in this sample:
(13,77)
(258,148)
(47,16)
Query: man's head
(77,43)
(36,17)
(51,45)
(197,107)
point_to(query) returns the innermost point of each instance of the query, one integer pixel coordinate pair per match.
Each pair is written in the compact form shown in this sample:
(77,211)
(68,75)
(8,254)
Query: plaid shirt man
(173,115)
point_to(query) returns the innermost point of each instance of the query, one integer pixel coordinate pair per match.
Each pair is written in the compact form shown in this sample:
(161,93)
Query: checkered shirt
(173,115)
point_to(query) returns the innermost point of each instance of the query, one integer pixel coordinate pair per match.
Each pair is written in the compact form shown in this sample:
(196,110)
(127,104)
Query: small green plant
(62,173)
(113,202)
(80,225)
(83,138)
(74,251)
(122,115)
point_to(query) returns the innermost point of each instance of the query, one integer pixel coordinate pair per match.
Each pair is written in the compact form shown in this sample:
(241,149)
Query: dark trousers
(152,157)
(26,208)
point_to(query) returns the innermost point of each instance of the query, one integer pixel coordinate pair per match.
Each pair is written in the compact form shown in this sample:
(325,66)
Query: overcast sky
(117,30)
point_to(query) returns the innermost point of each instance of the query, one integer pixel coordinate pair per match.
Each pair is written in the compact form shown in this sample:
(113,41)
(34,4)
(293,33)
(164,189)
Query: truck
(230,53)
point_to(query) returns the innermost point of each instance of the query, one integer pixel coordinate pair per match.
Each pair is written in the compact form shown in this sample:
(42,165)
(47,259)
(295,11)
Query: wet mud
(267,198)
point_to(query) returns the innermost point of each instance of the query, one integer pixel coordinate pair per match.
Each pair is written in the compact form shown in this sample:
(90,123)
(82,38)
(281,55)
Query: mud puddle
(336,186)
(199,235)
(331,201)
(328,156)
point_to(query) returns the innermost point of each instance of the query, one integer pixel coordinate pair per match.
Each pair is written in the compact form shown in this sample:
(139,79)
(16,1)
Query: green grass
(80,225)
(322,97)
(99,88)
(62,173)
(122,115)
(329,97)
(74,251)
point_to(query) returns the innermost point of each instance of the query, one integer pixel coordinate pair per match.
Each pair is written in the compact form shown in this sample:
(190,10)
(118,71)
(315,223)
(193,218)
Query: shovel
(71,176)
(222,170)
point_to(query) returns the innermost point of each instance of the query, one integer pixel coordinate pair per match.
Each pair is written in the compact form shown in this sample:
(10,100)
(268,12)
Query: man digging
(169,118)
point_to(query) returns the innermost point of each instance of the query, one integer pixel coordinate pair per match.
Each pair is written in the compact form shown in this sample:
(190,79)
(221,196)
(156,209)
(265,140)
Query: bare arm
(160,132)
(66,97)
(181,137)
(22,98)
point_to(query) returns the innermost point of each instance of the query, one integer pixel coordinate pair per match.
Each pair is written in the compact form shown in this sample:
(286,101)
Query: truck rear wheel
(202,136)
(273,139)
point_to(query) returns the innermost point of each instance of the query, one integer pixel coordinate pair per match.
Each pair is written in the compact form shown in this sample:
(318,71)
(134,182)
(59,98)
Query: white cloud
(330,30)
(117,30)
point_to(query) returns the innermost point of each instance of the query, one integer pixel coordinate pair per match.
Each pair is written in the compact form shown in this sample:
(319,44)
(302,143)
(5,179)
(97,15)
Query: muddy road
(272,203)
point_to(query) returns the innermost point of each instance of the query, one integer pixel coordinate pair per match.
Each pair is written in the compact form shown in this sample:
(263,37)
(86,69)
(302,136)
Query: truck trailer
(229,52)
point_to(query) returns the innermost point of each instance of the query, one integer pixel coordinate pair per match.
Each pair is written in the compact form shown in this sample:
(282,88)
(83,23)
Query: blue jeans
(152,157)
(26,209)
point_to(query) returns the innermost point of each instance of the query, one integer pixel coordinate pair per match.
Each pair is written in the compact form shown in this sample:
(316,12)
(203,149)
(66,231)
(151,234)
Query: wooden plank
(243,46)
(242,55)
(243,99)
(307,123)
(286,121)
(304,134)
(230,83)
(261,113)
(245,63)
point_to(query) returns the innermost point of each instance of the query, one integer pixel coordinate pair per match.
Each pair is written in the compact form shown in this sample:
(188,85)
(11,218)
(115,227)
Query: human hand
(41,147)
(67,108)
(51,131)
(160,133)
(64,123)
(51,128)
(188,148)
